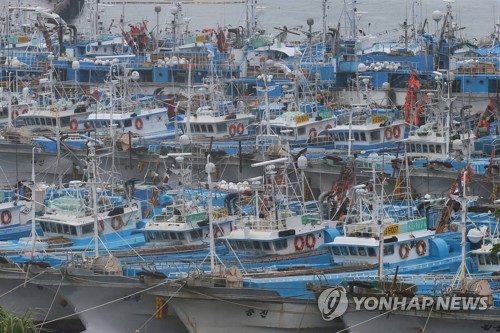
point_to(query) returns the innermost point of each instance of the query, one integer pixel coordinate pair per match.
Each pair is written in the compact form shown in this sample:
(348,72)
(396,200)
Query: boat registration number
(391,230)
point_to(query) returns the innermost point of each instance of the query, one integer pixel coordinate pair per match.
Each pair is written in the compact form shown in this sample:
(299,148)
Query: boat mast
(209,169)
(95,210)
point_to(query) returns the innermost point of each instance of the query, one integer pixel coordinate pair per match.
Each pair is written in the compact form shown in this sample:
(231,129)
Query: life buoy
(397,132)
(310,241)
(404,251)
(232,130)
(6,217)
(101,227)
(240,128)
(313,133)
(421,247)
(117,222)
(87,125)
(299,243)
(218,232)
(138,123)
(25,111)
(388,133)
(14,114)
(73,124)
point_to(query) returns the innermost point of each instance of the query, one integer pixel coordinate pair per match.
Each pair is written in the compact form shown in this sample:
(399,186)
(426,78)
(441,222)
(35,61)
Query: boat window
(42,121)
(72,230)
(335,137)
(149,236)
(44,227)
(127,123)
(181,236)
(363,136)
(97,124)
(203,128)
(344,251)
(412,147)
(353,251)
(280,244)
(37,121)
(210,128)
(256,245)
(487,259)
(481,259)
(356,136)
(388,250)
(164,235)
(438,149)
(362,251)
(419,148)
(375,136)
(431,148)
(240,245)
(371,252)
(335,250)
(64,121)
(197,128)
(118,124)
(424,148)
(196,234)
(66,229)
(341,136)
(222,128)
(266,246)
(52,227)
(173,236)
(248,245)
(59,228)
(231,243)
(494,260)
(88,228)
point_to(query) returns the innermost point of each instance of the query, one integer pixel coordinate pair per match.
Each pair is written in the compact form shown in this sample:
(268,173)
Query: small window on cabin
(149,236)
(438,149)
(353,251)
(388,250)
(37,121)
(127,123)
(487,259)
(248,245)
(335,250)
(197,128)
(412,147)
(52,227)
(203,128)
(419,148)
(42,121)
(266,246)
(336,137)
(44,227)
(362,251)
(257,246)
(280,244)
(72,230)
(481,259)
(88,228)
(194,234)
(64,121)
(210,128)
(494,260)
(240,245)
(375,136)
(371,252)
(431,149)
(231,244)
(105,49)
(425,148)
(118,124)
(221,128)
(344,251)
(356,136)
(363,136)
(173,236)
(341,136)
(66,229)
(181,236)
(301,131)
